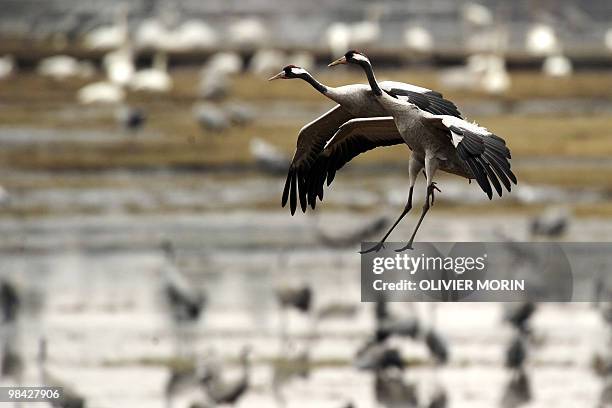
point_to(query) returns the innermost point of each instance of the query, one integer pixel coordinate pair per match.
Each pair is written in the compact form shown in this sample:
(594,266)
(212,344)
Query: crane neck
(369,71)
(315,84)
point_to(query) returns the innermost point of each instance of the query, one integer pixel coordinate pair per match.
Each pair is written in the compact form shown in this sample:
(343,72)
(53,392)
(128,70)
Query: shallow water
(99,279)
(84,249)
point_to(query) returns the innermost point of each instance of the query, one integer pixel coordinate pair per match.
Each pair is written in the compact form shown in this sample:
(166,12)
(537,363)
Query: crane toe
(375,248)
(402,249)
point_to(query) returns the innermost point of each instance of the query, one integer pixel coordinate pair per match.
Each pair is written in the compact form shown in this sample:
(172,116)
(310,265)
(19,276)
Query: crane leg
(431,165)
(414,166)
(381,244)
(426,206)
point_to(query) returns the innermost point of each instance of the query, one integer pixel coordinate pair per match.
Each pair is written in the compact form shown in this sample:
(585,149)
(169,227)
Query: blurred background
(146,261)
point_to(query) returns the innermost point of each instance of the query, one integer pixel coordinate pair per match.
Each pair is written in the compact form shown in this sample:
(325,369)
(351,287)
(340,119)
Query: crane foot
(375,248)
(409,246)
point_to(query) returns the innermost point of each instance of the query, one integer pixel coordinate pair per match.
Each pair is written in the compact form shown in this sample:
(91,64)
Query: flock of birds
(203,380)
(485,38)
(488,41)
(122,47)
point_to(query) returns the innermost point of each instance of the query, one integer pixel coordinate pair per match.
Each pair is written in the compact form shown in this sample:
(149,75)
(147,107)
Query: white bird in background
(154,79)
(557,66)
(101,92)
(367,32)
(338,37)
(193,35)
(463,77)
(485,72)
(479,32)
(151,34)
(341,36)
(485,68)
(495,79)
(214,84)
(248,32)
(119,65)
(215,75)
(110,36)
(61,67)
(417,38)
(477,15)
(303,59)
(226,62)
(542,40)
(487,40)
(267,61)
(608,39)
(8,66)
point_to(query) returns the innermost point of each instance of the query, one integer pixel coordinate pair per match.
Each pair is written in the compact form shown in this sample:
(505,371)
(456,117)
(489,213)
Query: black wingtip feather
(302,191)
(501,175)
(293,195)
(286,189)
(477,170)
(330,177)
(512,177)
(493,179)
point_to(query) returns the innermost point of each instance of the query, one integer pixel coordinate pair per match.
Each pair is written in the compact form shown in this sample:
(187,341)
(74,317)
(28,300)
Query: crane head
(290,72)
(351,57)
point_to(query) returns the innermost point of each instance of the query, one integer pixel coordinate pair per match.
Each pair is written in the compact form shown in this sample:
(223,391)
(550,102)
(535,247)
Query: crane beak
(280,75)
(341,60)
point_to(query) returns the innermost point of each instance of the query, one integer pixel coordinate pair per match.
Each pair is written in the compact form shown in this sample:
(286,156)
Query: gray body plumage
(361,102)
(423,137)
(358,100)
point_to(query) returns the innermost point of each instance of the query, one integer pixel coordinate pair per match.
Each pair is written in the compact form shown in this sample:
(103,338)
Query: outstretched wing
(353,138)
(425,99)
(486,154)
(311,141)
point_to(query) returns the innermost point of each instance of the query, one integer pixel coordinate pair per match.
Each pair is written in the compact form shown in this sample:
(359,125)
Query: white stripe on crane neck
(360,57)
(298,71)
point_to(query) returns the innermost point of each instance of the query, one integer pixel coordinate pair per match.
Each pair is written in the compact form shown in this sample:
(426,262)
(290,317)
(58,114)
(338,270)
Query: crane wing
(486,154)
(425,99)
(311,141)
(353,138)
